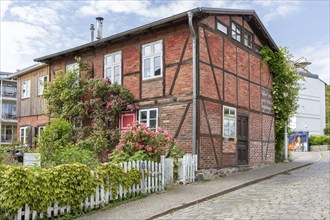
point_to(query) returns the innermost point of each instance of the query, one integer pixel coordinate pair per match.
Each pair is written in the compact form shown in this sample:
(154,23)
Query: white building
(310,114)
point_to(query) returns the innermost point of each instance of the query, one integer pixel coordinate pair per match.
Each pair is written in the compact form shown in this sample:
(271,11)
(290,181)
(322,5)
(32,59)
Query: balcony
(9,116)
(9,90)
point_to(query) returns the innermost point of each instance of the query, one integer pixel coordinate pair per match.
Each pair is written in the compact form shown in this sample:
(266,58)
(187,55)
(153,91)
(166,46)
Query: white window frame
(222,28)
(24,134)
(236,31)
(229,117)
(151,56)
(26,89)
(40,128)
(41,84)
(72,67)
(247,43)
(148,117)
(111,66)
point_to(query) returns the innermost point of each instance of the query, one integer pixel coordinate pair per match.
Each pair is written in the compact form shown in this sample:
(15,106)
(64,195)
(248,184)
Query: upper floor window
(221,27)
(41,84)
(248,39)
(26,89)
(229,121)
(149,117)
(236,32)
(72,67)
(152,56)
(112,67)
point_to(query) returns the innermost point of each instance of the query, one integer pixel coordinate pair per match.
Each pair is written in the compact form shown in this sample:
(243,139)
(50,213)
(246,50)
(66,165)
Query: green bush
(319,140)
(327,129)
(69,184)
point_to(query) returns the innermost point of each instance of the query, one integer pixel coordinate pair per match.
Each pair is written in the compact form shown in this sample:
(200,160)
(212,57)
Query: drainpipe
(194,128)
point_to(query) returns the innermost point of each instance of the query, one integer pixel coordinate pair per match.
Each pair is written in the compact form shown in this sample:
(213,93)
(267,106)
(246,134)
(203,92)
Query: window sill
(152,79)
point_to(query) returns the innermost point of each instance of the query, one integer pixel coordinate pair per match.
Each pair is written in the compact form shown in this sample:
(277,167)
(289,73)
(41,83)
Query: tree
(284,91)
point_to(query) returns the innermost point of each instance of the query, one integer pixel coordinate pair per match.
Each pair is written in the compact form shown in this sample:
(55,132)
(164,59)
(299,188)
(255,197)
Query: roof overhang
(28,69)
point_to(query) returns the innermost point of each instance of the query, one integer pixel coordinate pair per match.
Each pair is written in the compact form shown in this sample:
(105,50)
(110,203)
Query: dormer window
(236,32)
(248,39)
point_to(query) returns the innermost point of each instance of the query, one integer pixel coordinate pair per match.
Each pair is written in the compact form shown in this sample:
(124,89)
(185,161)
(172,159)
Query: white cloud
(147,9)
(4,5)
(278,9)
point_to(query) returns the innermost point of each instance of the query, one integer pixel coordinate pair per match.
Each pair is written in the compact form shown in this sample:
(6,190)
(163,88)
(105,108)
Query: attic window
(221,27)
(248,39)
(236,32)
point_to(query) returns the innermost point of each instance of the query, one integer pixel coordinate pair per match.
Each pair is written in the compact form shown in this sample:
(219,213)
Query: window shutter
(127,118)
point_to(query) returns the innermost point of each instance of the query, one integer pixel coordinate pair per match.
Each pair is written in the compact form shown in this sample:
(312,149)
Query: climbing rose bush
(141,143)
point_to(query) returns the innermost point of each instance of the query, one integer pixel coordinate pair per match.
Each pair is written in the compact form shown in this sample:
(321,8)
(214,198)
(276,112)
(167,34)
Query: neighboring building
(8,120)
(233,114)
(310,114)
(31,117)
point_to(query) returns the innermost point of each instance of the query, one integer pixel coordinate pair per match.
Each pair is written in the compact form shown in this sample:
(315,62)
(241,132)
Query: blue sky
(31,29)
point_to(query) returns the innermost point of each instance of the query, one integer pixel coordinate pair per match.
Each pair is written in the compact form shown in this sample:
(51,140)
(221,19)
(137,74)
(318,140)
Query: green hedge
(319,140)
(69,184)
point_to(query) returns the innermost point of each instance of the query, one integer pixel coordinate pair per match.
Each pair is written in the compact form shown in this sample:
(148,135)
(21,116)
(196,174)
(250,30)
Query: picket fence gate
(154,182)
(188,168)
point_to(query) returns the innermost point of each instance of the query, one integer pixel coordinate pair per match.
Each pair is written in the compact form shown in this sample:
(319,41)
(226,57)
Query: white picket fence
(154,182)
(187,169)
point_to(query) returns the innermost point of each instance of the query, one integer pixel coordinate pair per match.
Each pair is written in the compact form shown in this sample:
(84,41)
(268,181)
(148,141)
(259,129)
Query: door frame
(246,115)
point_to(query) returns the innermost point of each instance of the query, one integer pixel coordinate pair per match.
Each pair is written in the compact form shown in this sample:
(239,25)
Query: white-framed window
(41,84)
(229,121)
(149,117)
(221,27)
(248,39)
(236,31)
(112,67)
(26,89)
(72,67)
(40,129)
(152,56)
(24,134)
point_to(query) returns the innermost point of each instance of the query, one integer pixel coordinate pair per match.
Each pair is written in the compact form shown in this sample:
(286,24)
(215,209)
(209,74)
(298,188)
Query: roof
(306,73)
(255,23)
(28,69)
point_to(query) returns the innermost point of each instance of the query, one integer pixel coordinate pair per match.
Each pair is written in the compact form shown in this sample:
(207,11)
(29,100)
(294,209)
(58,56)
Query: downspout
(194,116)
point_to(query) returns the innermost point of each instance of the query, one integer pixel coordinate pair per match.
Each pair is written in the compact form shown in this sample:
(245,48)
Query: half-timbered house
(199,75)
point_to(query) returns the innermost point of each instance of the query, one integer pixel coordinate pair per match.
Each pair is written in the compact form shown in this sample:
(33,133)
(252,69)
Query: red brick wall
(242,74)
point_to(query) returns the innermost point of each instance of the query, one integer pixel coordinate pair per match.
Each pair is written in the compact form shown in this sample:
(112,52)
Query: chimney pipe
(99,21)
(92,32)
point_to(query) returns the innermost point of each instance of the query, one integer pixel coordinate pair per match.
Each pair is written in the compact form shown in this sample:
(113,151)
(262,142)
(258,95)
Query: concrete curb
(233,189)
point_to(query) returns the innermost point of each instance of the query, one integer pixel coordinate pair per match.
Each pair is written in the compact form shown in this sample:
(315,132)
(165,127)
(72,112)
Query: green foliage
(319,140)
(284,91)
(56,137)
(69,184)
(141,143)
(327,129)
(63,94)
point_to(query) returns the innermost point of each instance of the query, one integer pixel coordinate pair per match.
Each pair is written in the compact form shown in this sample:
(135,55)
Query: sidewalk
(178,197)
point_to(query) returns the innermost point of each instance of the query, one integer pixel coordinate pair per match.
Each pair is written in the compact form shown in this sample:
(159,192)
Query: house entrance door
(242,140)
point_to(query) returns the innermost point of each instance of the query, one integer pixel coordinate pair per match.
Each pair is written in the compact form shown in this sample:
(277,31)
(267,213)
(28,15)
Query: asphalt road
(299,194)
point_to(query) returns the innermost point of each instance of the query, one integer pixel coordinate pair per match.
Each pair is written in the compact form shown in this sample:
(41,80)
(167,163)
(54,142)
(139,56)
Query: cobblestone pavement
(299,194)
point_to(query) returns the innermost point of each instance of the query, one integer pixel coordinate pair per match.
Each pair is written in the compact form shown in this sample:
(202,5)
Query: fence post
(162,162)
(143,188)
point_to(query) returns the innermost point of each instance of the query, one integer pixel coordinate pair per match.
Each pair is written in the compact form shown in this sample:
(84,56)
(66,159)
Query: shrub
(141,143)
(319,140)
(327,129)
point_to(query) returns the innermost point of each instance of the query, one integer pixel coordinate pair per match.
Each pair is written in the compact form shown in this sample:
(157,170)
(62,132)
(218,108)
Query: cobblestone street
(299,194)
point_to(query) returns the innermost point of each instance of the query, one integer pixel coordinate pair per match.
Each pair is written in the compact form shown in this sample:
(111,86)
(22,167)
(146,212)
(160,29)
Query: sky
(32,29)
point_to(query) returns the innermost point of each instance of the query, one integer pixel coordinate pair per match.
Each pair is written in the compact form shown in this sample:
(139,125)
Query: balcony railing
(9,116)
(9,91)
